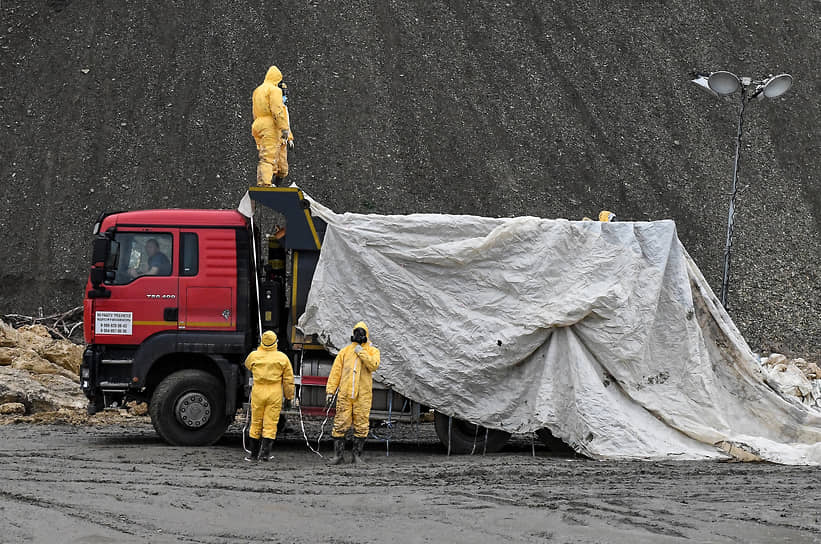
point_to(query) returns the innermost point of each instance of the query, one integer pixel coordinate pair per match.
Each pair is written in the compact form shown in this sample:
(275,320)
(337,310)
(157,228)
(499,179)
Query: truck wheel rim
(193,410)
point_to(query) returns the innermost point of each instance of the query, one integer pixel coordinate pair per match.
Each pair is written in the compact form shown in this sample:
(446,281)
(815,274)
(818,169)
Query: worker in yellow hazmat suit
(352,376)
(273,378)
(271,129)
(604,216)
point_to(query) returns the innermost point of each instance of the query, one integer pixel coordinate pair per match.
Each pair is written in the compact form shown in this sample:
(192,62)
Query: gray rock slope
(555,109)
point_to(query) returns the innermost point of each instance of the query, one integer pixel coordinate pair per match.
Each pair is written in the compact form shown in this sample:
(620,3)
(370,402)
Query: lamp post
(724,83)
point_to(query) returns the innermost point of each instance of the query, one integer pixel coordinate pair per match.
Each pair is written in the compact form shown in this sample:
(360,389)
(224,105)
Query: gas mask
(359,336)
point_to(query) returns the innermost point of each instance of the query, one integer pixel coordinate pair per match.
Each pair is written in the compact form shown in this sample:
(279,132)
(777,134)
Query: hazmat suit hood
(273,76)
(361,325)
(269,341)
(607,216)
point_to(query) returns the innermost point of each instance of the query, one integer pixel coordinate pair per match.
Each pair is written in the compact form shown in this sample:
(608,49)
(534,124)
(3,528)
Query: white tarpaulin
(605,333)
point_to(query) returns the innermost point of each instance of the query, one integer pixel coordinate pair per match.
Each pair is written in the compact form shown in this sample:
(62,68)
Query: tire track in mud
(123,525)
(41,479)
(93,518)
(576,512)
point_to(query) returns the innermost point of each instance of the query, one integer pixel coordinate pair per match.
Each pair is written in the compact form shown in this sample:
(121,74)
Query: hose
(450,428)
(259,330)
(475,436)
(247,420)
(322,427)
(388,425)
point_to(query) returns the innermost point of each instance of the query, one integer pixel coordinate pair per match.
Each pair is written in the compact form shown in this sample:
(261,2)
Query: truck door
(208,279)
(144,288)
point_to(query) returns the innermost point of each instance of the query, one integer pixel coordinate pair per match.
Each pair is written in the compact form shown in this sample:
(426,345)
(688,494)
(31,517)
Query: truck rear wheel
(188,408)
(466,437)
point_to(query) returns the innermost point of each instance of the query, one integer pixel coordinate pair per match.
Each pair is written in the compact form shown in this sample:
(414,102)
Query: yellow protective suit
(273,376)
(606,216)
(271,128)
(352,373)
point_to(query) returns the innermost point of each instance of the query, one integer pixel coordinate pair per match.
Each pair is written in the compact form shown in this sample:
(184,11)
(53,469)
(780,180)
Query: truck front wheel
(466,437)
(188,408)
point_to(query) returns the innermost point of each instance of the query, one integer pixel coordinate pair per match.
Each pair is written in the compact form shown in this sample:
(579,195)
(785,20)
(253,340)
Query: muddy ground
(120,483)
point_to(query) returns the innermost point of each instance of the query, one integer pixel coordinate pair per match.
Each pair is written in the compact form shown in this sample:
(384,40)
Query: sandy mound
(38,372)
(39,379)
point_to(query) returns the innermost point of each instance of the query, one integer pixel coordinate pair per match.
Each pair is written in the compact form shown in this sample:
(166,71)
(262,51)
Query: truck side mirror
(113,255)
(99,250)
(97,276)
(106,251)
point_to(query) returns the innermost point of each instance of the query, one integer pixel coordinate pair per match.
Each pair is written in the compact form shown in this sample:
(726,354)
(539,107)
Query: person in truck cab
(273,379)
(158,263)
(351,380)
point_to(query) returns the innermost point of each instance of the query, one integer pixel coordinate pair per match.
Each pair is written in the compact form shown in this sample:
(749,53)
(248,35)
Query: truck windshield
(143,254)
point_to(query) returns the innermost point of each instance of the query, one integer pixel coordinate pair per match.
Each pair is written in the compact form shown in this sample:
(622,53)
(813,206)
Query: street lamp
(724,83)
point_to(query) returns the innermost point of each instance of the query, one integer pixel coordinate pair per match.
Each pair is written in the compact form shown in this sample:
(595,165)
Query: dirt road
(120,483)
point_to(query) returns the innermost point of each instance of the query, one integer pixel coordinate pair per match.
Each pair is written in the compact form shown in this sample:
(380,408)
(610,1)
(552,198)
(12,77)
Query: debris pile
(66,325)
(39,377)
(37,372)
(793,378)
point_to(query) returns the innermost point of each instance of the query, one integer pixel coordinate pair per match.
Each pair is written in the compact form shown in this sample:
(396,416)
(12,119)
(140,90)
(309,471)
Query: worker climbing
(273,379)
(351,381)
(271,128)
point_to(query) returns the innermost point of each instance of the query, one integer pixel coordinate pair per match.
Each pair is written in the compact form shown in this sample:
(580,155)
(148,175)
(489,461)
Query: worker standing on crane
(351,380)
(273,378)
(271,128)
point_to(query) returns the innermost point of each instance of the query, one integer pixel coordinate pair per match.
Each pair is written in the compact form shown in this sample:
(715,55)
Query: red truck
(175,300)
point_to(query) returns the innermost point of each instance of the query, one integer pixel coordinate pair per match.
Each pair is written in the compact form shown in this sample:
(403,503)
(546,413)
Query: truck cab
(169,293)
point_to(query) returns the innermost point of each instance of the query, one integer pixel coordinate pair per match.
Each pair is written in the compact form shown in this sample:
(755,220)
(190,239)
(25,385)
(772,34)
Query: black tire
(466,437)
(188,409)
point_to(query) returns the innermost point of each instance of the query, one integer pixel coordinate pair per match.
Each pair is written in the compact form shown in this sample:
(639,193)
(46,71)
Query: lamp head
(775,86)
(723,83)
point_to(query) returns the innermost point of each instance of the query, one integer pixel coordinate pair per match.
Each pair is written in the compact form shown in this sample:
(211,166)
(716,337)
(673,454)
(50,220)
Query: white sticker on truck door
(112,323)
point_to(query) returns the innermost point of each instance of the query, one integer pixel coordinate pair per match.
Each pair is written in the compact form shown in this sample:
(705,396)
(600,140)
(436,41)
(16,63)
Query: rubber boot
(339,451)
(358,446)
(265,449)
(253,445)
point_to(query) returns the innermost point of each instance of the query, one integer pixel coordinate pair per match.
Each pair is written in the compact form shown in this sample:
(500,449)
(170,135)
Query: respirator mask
(284,88)
(359,336)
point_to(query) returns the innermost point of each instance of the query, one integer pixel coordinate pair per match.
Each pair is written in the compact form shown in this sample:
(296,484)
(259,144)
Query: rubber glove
(287,404)
(358,348)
